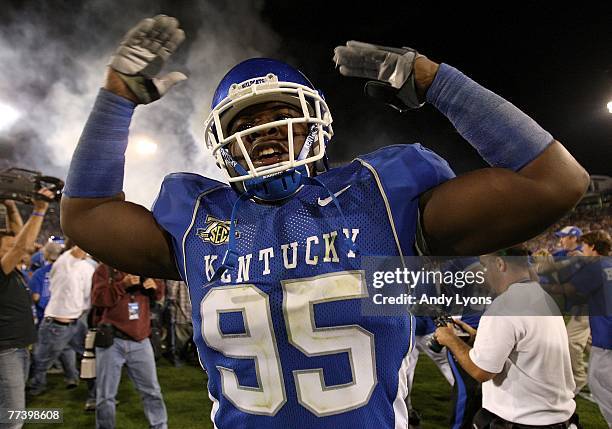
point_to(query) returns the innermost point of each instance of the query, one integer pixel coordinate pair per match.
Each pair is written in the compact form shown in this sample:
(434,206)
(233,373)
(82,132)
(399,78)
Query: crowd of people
(277,272)
(66,294)
(71,292)
(587,219)
(528,357)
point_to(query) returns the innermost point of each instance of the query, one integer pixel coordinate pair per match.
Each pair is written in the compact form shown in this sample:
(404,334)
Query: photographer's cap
(569,231)
(57,240)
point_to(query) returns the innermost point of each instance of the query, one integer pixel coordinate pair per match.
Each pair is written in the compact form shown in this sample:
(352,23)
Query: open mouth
(268,153)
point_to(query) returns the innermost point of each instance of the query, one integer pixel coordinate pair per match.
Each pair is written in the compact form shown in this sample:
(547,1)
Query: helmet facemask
(280,179)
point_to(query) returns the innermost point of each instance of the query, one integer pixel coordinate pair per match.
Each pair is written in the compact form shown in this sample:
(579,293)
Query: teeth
(267,151)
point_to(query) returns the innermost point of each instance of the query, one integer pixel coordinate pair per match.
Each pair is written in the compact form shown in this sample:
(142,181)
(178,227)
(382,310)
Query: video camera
(23,185)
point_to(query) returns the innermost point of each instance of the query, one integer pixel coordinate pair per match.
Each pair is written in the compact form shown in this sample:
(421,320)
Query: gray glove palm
(142,54)
(391,68)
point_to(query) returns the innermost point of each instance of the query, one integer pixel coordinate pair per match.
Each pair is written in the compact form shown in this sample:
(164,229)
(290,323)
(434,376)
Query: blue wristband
(98,162)
(501,133)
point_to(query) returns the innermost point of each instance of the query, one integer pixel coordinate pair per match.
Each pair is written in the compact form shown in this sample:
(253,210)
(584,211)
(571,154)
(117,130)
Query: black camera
(441,318)
(441,321)
(23,185)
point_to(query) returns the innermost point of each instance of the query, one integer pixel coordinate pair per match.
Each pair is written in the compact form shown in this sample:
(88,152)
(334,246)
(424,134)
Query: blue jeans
(14,367)
(52,340)
(140,362)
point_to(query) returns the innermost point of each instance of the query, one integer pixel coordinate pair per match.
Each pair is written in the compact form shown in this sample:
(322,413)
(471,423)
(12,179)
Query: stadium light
(144,146)
(610,106)
(8,116)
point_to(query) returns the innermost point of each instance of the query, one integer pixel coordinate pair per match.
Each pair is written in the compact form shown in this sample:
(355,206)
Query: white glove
(391,68)
(142,54)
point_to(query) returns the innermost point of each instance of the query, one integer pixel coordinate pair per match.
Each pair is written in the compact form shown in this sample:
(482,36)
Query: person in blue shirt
(273,260)
(594,281)
(569,240)
(39,283)
(578,333)
(39,259)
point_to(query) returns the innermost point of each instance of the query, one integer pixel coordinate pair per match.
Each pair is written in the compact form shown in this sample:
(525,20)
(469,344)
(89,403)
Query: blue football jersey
(594,280)
(282,336)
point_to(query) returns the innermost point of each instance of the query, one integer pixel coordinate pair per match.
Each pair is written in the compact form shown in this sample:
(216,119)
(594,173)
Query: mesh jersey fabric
(379,198)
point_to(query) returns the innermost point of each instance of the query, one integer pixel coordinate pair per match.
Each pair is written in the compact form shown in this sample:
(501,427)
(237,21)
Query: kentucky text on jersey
(318,250)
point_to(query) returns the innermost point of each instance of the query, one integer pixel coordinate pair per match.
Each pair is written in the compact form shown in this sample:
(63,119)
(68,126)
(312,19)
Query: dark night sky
(553,63)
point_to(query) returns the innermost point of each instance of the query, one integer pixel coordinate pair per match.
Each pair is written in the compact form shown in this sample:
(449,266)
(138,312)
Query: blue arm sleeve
(98,162)
(501,133)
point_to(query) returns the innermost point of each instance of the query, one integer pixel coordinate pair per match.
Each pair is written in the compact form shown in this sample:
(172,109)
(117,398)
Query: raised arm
(120,233)
(537,180)
(14,217)
(27,235)
(93,211)
(492,208)
(533,182)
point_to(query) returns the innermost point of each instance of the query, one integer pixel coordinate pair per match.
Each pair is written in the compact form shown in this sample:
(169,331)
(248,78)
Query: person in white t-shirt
(70,287)
(520,352)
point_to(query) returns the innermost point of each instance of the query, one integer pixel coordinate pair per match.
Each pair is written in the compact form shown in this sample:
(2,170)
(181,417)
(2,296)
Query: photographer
(17,331)
(521,358)
(123,334)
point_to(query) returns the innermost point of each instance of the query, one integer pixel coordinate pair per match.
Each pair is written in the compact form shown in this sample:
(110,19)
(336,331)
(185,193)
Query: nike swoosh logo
(325,201)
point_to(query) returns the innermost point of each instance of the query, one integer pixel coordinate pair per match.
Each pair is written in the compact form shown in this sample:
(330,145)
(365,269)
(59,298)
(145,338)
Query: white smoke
(53,78)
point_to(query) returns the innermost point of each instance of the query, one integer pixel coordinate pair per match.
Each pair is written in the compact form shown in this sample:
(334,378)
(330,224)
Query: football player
(272,260)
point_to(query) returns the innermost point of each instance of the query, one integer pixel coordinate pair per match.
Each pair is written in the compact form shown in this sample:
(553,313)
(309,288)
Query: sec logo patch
(216,231)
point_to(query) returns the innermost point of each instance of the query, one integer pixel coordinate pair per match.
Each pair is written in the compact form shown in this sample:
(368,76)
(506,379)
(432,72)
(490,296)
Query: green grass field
(189,407)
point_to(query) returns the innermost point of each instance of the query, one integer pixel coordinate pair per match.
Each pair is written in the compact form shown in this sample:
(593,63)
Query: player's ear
(500,264)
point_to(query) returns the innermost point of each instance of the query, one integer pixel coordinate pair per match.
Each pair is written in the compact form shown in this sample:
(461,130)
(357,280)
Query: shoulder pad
(173,208)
